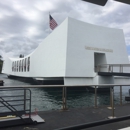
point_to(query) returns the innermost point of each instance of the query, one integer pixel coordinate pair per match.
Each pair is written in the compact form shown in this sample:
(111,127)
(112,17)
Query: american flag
(53,23)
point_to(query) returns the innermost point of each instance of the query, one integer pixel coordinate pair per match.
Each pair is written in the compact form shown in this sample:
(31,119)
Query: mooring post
(112,101)
(64,98)
(112,97)
(24,99)
(95,96)
(120,95)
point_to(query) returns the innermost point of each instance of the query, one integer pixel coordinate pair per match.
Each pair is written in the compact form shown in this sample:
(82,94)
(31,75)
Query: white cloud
(31,31)
(129,58)
(25,22)
(44,5)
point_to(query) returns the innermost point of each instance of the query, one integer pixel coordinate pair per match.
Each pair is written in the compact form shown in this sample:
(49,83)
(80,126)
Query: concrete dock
(56,119)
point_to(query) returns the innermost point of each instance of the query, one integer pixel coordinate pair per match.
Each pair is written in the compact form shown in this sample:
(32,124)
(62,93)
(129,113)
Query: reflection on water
(48,99)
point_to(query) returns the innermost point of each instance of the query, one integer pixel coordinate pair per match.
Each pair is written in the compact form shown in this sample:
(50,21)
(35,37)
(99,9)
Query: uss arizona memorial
(74,53)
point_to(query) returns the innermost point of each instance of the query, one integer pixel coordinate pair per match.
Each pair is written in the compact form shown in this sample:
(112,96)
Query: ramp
(113,69)
(15,108)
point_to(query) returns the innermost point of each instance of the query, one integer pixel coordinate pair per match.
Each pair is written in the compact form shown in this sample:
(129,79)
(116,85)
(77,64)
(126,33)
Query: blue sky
(25,23)
(128,49)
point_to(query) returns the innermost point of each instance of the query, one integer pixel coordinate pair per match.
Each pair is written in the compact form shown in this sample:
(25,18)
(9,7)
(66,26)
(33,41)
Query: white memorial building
(72,53)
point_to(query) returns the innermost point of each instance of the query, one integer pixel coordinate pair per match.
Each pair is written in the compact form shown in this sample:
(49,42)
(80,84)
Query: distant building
(72,53)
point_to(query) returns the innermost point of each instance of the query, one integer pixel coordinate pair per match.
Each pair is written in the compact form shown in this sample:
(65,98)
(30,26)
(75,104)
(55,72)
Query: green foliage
(0,57)
(1,63)
(21,56)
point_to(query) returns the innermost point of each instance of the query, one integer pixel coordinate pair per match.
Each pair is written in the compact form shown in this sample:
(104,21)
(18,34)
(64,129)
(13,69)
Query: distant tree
(1,63)
(21,56)
(0,57)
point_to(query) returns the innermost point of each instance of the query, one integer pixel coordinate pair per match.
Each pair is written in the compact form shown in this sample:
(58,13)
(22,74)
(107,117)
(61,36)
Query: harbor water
(51,99)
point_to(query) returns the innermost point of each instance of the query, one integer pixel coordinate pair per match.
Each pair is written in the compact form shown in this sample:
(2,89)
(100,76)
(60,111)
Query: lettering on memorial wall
(98,49)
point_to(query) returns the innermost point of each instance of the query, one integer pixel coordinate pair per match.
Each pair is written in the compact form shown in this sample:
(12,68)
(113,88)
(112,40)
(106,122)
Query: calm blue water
(48,99)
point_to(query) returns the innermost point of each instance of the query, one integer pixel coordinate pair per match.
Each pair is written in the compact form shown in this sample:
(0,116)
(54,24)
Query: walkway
(57,119)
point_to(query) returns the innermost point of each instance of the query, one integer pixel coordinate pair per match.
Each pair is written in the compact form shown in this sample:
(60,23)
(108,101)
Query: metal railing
(15,102)
(120,68)
(65,96)
(65,90)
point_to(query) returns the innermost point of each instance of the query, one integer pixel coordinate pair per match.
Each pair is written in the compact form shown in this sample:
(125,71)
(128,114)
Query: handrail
(11,108)
(110,68)
(5,101)
(60,86)
(64,100)
(117,64)
(64,92)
